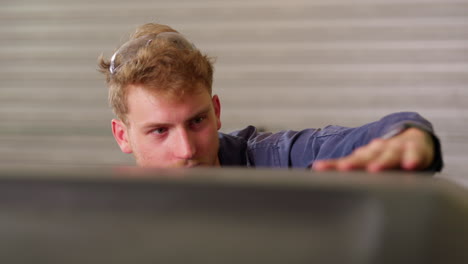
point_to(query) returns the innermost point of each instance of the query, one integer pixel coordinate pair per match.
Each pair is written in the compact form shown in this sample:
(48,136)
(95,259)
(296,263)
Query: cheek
(208,139)
(147,148)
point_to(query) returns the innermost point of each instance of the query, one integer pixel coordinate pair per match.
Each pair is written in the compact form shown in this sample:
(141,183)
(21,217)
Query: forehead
(145,105)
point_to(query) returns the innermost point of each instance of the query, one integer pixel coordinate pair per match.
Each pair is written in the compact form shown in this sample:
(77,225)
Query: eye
(198,120)
(159,131)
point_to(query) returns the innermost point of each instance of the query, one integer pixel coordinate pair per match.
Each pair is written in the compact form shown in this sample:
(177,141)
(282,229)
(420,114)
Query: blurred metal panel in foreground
(229,216)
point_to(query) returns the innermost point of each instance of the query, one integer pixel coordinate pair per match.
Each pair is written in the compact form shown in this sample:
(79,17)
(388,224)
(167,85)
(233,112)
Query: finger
(413,157)
(357,160)
(390,158)
(323,165)
(419,149)
(360,158)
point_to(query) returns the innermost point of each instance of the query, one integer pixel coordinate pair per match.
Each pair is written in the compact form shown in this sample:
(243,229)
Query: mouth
(192,165)
(186,164)
(189,164)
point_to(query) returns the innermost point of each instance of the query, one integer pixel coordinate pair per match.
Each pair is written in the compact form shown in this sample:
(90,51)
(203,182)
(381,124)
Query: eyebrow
(199,113)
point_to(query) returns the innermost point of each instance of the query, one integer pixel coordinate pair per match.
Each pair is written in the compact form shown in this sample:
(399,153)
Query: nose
(184,145)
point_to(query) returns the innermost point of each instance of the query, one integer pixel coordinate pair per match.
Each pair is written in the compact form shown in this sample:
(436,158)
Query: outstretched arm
(412,149)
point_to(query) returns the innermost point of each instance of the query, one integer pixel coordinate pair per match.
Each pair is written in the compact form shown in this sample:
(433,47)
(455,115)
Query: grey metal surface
(229,216)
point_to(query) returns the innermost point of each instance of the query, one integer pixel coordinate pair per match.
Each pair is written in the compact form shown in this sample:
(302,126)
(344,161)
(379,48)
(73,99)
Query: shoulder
(244,134)
(233,147)
(267,149)
(247,147)
(257,139)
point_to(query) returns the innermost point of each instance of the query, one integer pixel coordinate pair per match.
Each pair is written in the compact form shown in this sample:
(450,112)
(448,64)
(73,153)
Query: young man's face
(163,131)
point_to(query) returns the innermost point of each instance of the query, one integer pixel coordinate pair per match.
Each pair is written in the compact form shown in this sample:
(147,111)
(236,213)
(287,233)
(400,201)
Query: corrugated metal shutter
(281,64)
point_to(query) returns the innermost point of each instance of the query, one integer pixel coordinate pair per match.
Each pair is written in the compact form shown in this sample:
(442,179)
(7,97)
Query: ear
(119,129)
(217,109)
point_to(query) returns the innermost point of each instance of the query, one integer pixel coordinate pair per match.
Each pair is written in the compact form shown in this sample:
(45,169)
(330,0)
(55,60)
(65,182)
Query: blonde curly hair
(158,58)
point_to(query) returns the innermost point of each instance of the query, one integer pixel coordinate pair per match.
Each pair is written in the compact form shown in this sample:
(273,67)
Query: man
(160,90)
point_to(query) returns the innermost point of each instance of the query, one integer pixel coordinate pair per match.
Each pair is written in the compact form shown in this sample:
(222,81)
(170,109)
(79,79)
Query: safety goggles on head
(128,51)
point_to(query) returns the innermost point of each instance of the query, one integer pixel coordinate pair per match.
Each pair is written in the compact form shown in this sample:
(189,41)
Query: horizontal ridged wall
(280,64)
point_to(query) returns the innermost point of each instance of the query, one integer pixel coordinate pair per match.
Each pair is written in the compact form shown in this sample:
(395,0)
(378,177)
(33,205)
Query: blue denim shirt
(299,149)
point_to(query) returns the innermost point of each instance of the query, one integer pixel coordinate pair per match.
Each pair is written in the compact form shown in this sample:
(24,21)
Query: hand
(413,149)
